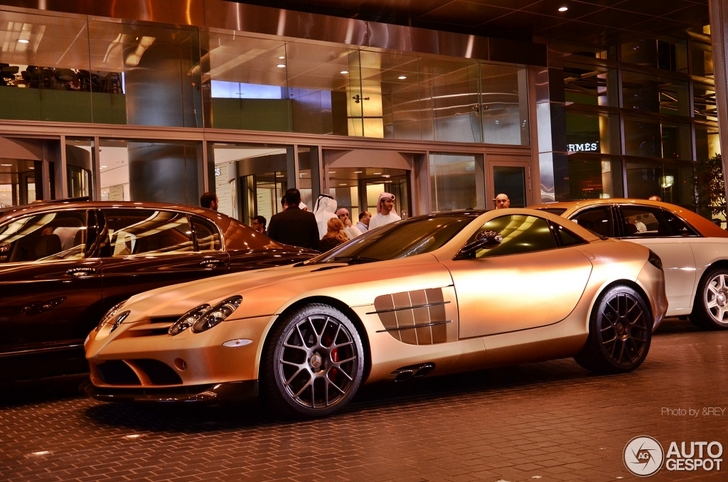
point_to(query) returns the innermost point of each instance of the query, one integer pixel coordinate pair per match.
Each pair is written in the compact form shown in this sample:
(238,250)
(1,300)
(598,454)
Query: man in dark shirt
(294,226)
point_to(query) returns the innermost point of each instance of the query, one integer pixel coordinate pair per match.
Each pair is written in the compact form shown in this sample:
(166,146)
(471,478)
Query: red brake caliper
(334,357)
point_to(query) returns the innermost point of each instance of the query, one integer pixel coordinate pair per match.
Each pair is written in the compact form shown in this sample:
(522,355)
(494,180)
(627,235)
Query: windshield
(404,238)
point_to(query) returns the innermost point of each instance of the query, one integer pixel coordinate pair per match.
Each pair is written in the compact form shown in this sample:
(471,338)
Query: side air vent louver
(415,317)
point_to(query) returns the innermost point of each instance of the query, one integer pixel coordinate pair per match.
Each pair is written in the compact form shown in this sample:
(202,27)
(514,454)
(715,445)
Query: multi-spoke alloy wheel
(620,332)
(314,362)
(710,310)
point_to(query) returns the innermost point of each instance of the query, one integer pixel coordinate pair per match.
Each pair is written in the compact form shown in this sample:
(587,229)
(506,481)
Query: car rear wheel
(313,363)
(710,310)
(620,332)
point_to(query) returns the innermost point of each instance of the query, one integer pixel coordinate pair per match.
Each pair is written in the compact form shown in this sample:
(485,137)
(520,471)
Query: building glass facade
(118,108)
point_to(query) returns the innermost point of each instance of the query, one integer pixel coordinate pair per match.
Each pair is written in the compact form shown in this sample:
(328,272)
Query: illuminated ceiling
(590,22)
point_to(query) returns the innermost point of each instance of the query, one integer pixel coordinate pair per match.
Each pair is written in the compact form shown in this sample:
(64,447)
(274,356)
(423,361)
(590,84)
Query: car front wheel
(710,310)
(620,332)
(314,362)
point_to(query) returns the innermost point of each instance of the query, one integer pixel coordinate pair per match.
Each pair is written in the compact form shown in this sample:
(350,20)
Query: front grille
(116,372)
(131,372)
(159,373)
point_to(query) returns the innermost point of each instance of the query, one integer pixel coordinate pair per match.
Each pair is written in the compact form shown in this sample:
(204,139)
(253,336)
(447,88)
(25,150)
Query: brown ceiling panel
(465,13)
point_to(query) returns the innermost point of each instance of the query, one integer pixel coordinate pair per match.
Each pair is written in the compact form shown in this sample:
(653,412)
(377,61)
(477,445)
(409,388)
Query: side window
(520,233)
(43,237)
(597,220)
(566,237)
(650,222)
(207,234)
(150,232)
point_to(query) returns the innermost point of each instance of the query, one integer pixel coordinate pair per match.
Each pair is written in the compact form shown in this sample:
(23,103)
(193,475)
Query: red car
(63,264)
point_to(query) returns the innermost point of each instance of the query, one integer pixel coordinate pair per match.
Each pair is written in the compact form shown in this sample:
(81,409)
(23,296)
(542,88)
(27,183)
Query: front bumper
(230,392)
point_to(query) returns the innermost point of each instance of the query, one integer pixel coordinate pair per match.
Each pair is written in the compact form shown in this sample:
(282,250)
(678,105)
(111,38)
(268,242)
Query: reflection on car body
(694,251)
(428,295)
(64,264)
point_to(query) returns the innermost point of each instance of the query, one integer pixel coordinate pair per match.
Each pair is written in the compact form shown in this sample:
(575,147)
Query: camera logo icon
(643,456)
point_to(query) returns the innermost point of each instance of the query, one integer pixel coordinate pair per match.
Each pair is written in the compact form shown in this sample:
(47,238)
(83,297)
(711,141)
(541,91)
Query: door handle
(211,263)
(79,272)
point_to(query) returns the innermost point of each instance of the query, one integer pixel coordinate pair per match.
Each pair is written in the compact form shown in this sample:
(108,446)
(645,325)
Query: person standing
(294,226)
(209,200)
(351,231)
(334,236)
(502,201)
(363,224)
(385,211)
(259,223)
(324,209)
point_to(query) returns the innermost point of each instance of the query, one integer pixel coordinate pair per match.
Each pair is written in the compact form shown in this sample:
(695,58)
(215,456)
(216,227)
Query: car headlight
(188,319)
(203,317)
(110,315)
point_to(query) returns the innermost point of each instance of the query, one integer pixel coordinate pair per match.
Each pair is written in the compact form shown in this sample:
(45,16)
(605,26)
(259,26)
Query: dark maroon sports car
(63,264)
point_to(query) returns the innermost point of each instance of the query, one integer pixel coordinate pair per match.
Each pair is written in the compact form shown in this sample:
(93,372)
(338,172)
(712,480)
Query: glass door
(26,170)
(510,177)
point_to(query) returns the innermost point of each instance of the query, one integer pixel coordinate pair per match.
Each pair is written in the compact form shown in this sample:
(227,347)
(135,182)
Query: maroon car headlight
(110,315)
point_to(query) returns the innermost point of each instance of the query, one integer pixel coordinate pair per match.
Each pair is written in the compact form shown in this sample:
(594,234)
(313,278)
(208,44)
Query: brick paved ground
(545,422)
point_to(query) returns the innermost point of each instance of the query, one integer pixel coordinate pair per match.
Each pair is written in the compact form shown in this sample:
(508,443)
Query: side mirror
(483,240)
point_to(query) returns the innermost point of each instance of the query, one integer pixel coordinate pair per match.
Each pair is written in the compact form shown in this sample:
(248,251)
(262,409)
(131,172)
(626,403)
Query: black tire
(313,363)
(710,309)
(620,332)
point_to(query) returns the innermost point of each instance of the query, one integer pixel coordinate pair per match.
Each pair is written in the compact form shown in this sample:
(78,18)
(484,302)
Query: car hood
(269,291)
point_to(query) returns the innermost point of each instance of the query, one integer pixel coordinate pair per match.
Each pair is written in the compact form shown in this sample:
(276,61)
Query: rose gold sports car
(424,296)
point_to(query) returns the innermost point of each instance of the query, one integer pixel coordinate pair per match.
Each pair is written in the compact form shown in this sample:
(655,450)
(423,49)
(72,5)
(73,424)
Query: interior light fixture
(344,72)
(563,8)
(281,66)
(402,77)
(23,41)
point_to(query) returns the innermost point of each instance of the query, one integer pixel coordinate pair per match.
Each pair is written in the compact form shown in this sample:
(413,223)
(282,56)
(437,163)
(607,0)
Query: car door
(50,291)
(150,248)
(669,237)
(524,282)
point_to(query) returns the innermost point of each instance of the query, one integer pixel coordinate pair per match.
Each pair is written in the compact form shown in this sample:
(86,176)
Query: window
(673,182)
(520,233)
(594,178)
(597,220)
(566,237)
(645,221)
(148,232)
(457,182)
(592,133)
(590,85)
(206,233)
(43,237)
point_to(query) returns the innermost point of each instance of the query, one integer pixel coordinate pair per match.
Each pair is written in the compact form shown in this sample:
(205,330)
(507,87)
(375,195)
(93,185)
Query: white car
(693,249)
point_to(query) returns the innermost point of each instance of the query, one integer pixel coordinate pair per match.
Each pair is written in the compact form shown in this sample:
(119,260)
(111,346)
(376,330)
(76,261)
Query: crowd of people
(328,225)
(323,229)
